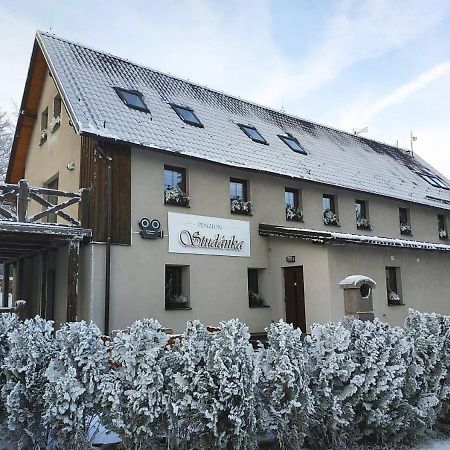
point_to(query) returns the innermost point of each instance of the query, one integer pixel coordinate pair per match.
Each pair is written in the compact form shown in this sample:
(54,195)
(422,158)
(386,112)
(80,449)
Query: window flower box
(330,218)
(393,298)
(177,302)
(255,300)
(239,206)
(294,213)
(443,234)
(405,229)
(55,123)
(43,135)
(175,196)
(363,224)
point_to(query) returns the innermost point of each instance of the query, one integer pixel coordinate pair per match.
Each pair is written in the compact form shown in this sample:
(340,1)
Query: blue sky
(379,64)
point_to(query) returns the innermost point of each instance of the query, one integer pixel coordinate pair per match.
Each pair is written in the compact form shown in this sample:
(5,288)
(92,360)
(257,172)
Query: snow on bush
(72,395)
(192,390)
(285,400)
(31,349)
(135,389)
(430,393)
(231,362)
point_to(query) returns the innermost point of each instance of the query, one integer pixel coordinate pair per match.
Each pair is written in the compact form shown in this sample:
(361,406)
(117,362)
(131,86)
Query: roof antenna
(357,131)
(412,138)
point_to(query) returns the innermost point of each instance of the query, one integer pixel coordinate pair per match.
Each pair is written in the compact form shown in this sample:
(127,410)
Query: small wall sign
(150,229)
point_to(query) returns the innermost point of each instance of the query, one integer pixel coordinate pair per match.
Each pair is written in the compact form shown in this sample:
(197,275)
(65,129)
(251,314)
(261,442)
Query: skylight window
(293,144)
(433,180)
(253,134)
(187,115)
(133,99)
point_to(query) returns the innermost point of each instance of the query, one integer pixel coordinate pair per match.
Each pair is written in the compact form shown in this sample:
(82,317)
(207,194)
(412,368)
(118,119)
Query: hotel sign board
(204,235)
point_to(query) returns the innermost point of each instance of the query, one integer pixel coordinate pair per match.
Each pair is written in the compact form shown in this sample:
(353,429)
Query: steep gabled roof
(86,79)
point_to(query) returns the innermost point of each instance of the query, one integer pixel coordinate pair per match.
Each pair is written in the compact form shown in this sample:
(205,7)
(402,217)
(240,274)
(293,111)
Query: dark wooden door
(294,297)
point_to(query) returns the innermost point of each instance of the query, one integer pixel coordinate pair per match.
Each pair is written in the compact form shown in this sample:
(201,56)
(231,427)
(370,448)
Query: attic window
(252,133)
(293,144)
(433,180)
(187,115)
(133,99)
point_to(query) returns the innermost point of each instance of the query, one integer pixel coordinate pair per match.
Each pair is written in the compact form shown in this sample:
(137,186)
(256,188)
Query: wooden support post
(5,292)
(44,284)
(72,287)
(22,201)
(84,206)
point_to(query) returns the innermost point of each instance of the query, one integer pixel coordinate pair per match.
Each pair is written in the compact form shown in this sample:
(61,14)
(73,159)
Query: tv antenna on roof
(413,138)
(359,131)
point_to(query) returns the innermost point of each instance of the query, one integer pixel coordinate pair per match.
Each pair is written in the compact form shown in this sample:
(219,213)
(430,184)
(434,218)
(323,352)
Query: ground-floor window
(177,287)
(255,299)
(393,286)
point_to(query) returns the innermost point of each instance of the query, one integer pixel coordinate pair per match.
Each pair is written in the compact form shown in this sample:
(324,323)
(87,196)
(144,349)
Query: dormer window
(253,133)
(133,99)
(187,115)
(293,144)
(433,180)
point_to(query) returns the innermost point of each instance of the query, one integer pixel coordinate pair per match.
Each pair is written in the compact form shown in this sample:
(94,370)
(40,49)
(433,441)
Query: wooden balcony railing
(15,202)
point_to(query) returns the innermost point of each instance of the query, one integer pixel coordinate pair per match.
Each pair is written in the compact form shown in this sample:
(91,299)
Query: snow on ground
(435,445)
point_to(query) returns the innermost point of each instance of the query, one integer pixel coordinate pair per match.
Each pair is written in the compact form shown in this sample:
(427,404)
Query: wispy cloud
(358,31)
(403,92)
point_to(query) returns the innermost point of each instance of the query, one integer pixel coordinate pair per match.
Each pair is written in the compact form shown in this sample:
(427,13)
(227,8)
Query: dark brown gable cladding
(27,116)
(93,176)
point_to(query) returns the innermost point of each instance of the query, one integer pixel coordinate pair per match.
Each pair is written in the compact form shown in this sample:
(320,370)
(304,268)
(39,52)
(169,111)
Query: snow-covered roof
(356,281)
(87,77)
(331,237)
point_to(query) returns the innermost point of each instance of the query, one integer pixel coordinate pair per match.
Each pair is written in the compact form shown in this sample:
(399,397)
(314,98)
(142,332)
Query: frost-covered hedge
(347,384)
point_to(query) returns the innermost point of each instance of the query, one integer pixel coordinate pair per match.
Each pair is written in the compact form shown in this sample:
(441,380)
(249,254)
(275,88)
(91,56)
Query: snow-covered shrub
(331,382)
(360,372)
(285,401)
(231,361)
(135,389)
(72,394)
(55,123)
(362,223)
(430,392)
(382,356)
(443,233)
(32,346)
(405,228)
(192,390)
(8,323)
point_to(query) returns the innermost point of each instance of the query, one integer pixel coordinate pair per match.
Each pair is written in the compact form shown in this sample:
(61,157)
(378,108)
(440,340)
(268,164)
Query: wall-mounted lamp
(71,166)
(290,259)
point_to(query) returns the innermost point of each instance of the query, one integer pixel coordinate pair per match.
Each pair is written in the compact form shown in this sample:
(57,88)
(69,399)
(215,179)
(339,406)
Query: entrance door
(294,297)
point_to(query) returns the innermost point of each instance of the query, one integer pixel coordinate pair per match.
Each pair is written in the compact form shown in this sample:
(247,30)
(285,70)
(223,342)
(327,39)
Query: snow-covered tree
(192,390)
(72,394)
(429,388)
(231,361)
(135,388)
(285,400)
(332,383)
(32,346)
(6,139)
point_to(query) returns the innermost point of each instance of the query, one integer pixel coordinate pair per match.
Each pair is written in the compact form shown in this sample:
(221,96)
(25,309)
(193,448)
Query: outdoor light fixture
(71,166)
(290,259)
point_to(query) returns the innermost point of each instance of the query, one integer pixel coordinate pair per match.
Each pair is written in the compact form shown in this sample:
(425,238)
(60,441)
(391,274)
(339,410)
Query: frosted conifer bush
(430,387)
(8,323)
(31,349)
(135,389)
(234,374)
(193,389)
(72,395)
(286,403)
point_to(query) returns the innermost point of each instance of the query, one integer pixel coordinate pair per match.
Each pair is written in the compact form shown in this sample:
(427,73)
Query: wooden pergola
(24,236)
